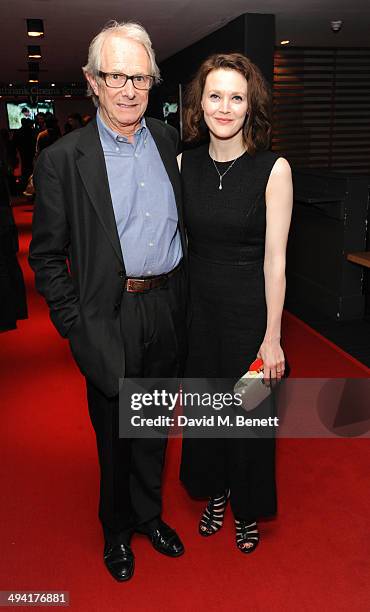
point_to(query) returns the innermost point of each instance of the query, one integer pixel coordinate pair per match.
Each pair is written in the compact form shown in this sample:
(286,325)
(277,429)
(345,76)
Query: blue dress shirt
(143,201)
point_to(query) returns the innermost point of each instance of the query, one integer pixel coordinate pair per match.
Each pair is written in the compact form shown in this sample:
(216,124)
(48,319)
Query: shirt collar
(110,137)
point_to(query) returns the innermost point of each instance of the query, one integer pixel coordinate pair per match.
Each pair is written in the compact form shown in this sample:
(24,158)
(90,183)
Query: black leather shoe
(163,538)
(119,560)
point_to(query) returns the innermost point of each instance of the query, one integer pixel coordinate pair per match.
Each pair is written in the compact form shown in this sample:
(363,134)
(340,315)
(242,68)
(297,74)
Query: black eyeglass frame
(103,75)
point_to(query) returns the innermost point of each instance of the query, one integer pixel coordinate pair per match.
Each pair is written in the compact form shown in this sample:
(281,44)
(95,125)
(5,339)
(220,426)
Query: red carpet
(316,554)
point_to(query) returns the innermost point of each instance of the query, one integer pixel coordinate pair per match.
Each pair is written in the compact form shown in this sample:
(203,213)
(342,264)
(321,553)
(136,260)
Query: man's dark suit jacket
(75,250)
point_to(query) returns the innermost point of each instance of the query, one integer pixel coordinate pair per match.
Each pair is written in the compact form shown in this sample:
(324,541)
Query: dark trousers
(153,328)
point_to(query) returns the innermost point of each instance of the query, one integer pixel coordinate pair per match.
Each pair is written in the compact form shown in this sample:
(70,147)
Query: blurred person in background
(74,122)
(13,303)
(49,135)
(25,141)
(11,159)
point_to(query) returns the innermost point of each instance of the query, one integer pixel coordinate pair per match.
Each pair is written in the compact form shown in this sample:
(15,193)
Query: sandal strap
(246,532)
(213,515)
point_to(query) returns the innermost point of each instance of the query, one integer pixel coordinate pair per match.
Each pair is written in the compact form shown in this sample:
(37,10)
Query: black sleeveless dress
(226,233)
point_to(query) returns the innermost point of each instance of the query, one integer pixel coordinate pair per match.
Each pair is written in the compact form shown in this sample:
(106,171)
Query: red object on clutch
(256,366)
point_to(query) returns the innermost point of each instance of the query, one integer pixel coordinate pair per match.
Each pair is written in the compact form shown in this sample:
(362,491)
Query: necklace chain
(221,176)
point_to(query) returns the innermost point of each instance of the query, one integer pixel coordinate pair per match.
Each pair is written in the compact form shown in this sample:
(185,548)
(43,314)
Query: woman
(238,202)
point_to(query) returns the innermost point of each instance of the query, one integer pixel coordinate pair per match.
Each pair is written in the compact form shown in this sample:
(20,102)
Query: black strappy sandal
(246,533)
(213,515)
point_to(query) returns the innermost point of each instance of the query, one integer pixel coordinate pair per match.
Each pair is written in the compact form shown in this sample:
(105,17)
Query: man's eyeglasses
(139,81)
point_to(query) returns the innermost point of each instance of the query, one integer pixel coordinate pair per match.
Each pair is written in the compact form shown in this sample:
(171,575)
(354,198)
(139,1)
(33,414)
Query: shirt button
(136,155)
(142,184)
(117,149)
(151,243)
(149,272)
(147,214)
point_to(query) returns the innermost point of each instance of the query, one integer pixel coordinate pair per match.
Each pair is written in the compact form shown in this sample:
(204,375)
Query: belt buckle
(130,287)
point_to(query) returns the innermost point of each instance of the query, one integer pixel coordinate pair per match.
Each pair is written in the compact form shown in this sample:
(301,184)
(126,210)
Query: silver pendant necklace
(221,176)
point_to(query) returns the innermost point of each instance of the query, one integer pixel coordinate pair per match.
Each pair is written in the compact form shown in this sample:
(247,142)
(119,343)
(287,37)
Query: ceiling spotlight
(33,77)
(67,96)
(53,84)
(35,27)
(336,26)
(34,52)
(284,42)
(10,84)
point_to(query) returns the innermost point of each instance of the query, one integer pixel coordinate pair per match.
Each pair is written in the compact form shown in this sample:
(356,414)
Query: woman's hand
(273,359)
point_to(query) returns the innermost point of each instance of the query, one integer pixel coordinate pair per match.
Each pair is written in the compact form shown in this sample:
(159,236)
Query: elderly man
(107,250)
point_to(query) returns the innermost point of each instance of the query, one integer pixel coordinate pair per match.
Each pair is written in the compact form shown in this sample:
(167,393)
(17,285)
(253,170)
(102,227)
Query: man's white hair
(129,29)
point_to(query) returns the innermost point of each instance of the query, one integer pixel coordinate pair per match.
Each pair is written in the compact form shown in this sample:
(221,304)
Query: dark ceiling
(172,24)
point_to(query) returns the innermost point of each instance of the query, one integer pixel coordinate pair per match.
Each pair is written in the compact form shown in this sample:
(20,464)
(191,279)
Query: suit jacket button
(121,273)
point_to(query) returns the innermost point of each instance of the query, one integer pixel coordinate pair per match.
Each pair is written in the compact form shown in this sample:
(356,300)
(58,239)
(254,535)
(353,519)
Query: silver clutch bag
(251,386)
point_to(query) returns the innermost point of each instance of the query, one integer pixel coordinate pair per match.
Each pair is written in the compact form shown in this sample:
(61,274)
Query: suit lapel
(157,130)
(91,166)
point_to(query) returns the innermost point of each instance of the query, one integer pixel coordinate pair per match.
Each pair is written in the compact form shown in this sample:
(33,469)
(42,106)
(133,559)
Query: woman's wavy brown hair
(257,126)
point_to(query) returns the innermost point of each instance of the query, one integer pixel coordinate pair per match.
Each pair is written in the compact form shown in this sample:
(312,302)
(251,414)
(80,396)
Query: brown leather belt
(138,285)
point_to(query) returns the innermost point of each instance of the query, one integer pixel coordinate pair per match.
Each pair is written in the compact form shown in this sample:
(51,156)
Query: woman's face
(224,102)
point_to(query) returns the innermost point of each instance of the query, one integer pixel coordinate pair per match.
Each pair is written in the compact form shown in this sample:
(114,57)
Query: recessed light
(35,28)
(67,96)
(10,84)
(284,42)
(53,84)
(33,80)
(34,52)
